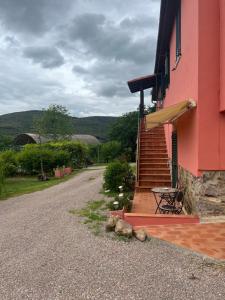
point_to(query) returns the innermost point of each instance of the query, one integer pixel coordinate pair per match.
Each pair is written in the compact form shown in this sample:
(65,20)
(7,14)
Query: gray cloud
(47,57)
(31,16)
(106,39)
(87,50)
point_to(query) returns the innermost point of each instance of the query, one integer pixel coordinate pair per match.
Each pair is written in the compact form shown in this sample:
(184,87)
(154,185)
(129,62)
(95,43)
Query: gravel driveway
(46,253)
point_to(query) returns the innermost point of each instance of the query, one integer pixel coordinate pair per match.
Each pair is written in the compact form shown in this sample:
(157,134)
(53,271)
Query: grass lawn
(23,185)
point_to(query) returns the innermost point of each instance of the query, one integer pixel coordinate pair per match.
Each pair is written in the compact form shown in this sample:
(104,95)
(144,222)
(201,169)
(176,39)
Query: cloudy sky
(78,53)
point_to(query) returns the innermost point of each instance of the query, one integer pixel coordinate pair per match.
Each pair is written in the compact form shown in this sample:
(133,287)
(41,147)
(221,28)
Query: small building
(32,138)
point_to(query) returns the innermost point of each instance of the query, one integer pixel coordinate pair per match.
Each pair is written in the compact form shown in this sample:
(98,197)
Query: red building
(190,66)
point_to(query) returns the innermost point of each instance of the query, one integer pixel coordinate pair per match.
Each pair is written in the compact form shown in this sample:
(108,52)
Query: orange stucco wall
(222,55)
(184,85)
(209,84)
(222,85)
(200,75)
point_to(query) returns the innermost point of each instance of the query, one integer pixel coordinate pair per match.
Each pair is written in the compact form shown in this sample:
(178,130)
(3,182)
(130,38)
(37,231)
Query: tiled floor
(144,202)
(208,239)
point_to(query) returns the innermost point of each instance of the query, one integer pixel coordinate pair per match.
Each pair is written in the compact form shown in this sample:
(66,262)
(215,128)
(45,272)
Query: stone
(140,235)
(111,223)
(211,190)
(123,228)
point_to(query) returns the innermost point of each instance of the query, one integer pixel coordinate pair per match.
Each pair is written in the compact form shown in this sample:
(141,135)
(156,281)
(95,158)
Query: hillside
(20,122)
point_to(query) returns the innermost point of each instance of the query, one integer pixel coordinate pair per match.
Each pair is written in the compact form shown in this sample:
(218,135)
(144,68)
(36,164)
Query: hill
(21,122)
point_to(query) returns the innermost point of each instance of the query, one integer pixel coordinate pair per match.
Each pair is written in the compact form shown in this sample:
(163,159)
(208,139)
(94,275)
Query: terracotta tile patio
(207,239)
(144,202)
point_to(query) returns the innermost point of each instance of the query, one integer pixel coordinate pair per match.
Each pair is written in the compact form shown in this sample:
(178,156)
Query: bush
(110,151)
(78,152)
(2,176)
(60,158)
(9,160)
(116,174)
(30,159)
(123,202)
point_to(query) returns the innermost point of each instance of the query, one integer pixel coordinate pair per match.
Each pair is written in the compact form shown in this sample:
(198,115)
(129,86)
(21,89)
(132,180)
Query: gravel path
(46,253)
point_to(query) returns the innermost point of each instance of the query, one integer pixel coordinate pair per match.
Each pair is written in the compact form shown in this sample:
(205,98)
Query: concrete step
(152,144)
(146,150)
(150,176)
(144,154)
(153,160)
(147,221)
(152,171)
(154,182)
(153,165)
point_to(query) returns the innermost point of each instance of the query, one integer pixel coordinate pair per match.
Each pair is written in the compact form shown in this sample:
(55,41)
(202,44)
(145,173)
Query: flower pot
(67,170)
(59,173)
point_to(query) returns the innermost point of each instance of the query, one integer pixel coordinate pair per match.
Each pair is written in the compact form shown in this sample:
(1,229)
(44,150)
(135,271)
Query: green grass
(93,215)
(23,185)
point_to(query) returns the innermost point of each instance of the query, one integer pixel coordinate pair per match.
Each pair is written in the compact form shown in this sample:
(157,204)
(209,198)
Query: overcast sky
(79,53)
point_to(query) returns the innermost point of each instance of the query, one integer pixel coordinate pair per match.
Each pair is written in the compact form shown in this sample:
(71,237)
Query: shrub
(60,158)
(30,159)
(94,153)
(2,176)
(9,160)
(110,151)
(123,202)
(78,152)
(116,174)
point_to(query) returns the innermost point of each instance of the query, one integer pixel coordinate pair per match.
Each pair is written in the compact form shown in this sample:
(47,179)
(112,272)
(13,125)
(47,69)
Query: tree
(125,131)
(110,151)
(55,123)
(5,142)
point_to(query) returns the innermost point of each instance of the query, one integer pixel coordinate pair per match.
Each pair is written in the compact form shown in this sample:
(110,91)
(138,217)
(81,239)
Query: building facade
(190,60)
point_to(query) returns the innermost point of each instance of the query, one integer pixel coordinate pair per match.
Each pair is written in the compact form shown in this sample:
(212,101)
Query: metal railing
(138,147)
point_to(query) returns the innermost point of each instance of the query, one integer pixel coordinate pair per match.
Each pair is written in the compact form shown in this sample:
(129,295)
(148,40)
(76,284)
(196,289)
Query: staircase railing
(138,147)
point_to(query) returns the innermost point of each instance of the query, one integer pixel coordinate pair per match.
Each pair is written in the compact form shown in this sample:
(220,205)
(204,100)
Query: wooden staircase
(153,169)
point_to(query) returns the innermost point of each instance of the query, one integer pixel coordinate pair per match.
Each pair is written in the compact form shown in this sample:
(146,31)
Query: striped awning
(168,114)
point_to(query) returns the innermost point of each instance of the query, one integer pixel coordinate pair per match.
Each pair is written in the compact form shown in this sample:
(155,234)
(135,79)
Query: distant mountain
(21,122)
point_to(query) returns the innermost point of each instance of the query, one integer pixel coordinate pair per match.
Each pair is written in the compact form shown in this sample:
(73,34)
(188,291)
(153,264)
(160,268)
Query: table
(166,193)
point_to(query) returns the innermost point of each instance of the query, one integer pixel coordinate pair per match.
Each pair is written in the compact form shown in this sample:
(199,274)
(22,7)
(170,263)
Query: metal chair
(175,207)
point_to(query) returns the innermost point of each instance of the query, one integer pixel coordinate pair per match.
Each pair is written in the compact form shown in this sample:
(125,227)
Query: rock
(123,228)
(111,223)
(140,235)
(211,190)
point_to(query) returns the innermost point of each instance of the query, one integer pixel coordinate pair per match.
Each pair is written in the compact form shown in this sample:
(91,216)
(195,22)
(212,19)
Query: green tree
(5,142)
(55,123)
(125,131)
(111,150)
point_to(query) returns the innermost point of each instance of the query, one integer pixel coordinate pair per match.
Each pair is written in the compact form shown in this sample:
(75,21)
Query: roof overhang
(142,83)
(169,114)
(168,12)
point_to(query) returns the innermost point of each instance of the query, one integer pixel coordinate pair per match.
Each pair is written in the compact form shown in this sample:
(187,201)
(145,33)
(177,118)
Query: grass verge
(93,215)
(17,186)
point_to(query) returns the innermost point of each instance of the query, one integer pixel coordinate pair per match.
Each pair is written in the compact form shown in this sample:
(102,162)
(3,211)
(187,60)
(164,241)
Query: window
(178,33)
